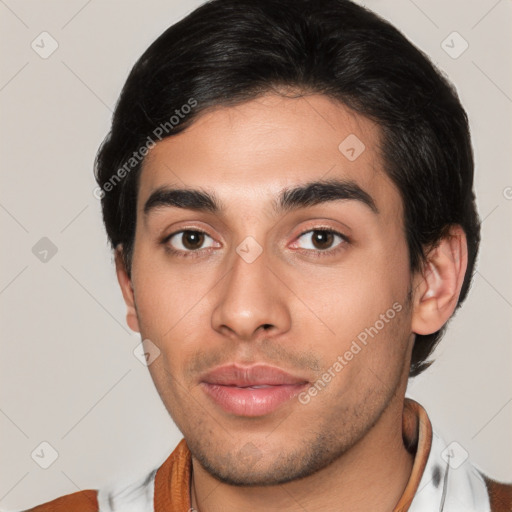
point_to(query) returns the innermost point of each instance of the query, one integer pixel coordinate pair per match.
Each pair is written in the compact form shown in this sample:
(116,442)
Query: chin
(250,467)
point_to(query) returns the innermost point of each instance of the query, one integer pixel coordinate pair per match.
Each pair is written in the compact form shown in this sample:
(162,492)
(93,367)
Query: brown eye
(189,240)
(324,240)
(192,239)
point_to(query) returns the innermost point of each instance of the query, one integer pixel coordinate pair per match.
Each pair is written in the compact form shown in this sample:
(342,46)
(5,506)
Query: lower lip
(252,402)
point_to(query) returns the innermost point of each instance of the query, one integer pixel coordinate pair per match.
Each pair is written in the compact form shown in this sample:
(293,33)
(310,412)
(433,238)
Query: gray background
(68,373)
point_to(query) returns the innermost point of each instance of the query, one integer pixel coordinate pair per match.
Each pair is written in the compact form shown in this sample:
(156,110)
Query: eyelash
(316,253)
(183,254)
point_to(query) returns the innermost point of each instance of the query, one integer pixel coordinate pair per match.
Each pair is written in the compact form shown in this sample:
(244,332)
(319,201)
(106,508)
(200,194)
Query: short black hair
(230,51)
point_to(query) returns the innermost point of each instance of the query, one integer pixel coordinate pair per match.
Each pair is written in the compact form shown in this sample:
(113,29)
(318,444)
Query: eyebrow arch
(190,199)
(302,196)
(323,191)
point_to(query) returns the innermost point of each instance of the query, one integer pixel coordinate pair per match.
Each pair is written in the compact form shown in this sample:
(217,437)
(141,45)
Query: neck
(372,475)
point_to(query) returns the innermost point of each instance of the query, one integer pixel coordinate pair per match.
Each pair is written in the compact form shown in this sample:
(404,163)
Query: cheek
(352,300)
(368,364)
(369,314)
(169,297)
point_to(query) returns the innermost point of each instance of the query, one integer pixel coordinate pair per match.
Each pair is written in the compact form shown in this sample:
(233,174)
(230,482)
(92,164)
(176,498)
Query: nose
(251,299)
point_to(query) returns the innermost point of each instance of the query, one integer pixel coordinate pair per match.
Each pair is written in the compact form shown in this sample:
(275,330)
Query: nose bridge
(250,297)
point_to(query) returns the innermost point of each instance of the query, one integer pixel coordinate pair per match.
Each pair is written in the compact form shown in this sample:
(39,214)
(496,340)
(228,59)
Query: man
(288,188)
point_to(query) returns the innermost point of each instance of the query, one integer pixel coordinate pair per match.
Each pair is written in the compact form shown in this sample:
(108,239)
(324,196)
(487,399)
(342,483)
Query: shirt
(442,480)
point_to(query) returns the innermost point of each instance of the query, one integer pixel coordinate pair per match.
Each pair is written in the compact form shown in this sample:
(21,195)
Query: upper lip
(244,376)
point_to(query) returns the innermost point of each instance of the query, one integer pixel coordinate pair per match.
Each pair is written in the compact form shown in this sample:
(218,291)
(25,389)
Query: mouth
(251,391)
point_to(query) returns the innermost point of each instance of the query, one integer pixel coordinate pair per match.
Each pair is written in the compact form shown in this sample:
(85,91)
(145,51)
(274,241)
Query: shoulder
(82,501)
(165,486)
(500,495)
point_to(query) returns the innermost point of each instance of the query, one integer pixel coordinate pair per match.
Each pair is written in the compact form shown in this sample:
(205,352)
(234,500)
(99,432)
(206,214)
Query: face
(280,308)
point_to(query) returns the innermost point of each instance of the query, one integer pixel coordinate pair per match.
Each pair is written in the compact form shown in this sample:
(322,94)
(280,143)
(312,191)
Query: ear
(127,289)
(437,287)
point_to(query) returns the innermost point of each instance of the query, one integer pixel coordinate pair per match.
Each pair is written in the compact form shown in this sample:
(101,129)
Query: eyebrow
(302,196)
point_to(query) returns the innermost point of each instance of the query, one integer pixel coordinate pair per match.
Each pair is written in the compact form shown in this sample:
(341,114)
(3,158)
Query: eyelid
(185,252)
(181,229)
(345,239)
(323,229)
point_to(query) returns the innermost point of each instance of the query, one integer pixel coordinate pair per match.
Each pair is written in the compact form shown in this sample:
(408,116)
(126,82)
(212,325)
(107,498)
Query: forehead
(248,153)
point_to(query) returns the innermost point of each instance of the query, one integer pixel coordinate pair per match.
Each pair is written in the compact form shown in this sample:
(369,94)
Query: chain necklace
(193,496)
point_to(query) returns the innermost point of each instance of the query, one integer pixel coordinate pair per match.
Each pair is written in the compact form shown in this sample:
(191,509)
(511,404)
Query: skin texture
(209,308)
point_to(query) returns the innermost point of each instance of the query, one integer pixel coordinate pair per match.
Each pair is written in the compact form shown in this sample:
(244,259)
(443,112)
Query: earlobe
(126,286)
(438,287)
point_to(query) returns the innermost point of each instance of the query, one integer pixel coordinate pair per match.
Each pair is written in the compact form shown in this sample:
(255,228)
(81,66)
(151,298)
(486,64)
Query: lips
(258,375)
(251,391)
